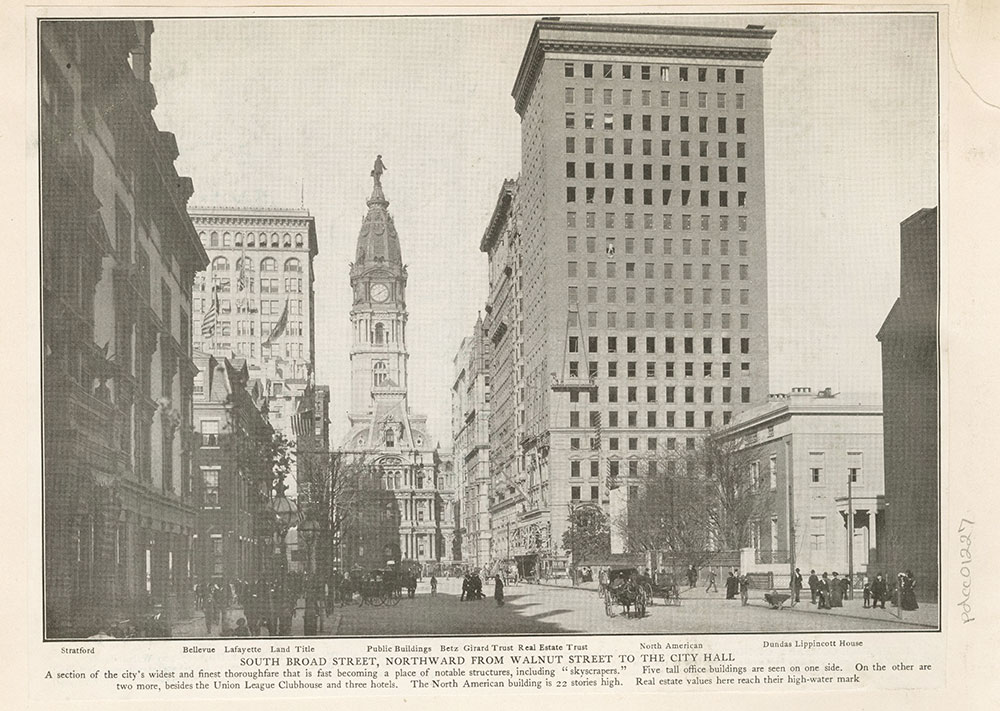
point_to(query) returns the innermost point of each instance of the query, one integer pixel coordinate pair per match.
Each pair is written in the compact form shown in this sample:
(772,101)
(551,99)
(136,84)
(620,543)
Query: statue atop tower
(378,170)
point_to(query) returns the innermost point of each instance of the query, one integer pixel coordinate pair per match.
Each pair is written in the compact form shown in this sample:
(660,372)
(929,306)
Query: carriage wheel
(393,597)
(378,598)
(646,593)
(607,604)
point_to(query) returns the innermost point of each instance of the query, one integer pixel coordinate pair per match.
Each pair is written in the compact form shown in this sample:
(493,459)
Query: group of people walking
(266,604)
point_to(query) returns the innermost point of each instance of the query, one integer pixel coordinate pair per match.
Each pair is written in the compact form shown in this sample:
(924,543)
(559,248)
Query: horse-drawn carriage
(372,587)
(665,585)
(625,588)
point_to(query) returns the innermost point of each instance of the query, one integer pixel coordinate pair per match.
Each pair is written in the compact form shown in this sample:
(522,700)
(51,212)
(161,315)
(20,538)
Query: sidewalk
(925,616)
(194,628)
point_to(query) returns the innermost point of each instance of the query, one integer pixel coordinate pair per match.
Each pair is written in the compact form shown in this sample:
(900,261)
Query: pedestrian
(241,628)
(836,591)
(434,585)
(692,576)
(796,584)
(711,582)
(498,590)
(466,587)
(823,592)
(744,589)
(908,591)
(866,591)
(209,612)
(813,587)
(732,585)
(879,592)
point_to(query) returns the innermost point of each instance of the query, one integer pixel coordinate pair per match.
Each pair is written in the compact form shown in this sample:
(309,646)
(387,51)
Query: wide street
(550,609)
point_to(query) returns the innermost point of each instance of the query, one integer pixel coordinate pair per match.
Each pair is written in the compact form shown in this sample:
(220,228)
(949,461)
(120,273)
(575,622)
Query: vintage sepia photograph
(475,325)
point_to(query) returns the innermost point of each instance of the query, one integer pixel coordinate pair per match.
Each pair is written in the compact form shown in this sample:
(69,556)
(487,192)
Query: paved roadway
(541,609)
(544,609)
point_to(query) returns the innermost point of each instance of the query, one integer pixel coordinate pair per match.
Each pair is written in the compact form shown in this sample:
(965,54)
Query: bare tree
(588,535)
(697,500)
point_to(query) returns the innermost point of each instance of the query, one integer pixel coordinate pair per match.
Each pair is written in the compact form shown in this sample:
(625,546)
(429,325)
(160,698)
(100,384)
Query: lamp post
(285,514)
(850,534)
(309,531)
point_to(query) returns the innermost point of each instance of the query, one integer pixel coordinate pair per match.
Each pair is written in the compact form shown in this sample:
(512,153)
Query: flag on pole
(279,327)
(241,279)
(211,316)
(302,423)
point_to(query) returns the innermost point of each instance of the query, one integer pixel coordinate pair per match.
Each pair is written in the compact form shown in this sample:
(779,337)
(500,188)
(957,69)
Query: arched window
(268,264)
(239,239)
(262,240)
(380,371)
(214,240)
(293,265)
(287,240)
(201,236)
(250,239)
(379,334)
(220,264)
(227,239)
(298,239)
(274,239)
(249,266)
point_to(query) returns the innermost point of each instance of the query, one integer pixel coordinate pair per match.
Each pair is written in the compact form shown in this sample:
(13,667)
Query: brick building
(909,338)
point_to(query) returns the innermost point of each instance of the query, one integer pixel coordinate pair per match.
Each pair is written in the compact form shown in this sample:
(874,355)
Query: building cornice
(534,54)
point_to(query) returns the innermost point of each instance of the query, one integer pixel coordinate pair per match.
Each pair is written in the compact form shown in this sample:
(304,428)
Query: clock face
(379,292)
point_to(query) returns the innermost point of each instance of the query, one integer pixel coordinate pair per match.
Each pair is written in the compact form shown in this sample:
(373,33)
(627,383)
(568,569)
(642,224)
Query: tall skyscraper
(256,300)
(642,257)
(394,441)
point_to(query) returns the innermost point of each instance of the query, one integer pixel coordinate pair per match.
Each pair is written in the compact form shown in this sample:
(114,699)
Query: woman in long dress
(498,590)
(908,591)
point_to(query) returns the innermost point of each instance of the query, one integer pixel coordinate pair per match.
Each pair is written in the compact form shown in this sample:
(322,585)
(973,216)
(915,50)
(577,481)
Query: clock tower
(395,519)
(378,313)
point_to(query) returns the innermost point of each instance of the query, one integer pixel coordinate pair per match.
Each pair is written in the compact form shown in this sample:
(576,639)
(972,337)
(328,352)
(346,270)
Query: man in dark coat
(879,592)
(813,586)
(796,584)
(823,592)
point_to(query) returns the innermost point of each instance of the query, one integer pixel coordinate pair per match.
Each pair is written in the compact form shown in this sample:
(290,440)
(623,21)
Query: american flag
(211,316)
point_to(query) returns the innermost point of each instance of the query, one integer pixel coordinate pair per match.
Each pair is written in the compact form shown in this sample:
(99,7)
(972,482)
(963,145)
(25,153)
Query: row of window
(649,294)
(649,269)
(647,71)
(632,344)
(670,394)
(645,123)
(646,98)
(652,420)
(707,371)
(666,172)
(267,307)
(227,239)
(666,148)
(267,264)
(652,443)
(649,319)
(666,194)
(590,221)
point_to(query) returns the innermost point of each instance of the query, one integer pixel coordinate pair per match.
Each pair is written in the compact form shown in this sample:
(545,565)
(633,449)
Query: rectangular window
(607,71)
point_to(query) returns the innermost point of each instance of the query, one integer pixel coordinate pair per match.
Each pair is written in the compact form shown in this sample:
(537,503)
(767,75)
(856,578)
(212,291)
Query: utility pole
(791,519)
(850,534)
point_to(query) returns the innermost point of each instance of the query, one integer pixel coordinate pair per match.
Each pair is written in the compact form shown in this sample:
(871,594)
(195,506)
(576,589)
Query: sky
(278,112)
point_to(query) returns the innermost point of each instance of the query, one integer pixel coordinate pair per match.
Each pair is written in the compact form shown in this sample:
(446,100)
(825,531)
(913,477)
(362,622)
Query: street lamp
(309,531)
(285,515)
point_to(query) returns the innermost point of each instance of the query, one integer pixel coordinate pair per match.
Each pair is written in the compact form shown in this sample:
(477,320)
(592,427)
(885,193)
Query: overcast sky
(266,108)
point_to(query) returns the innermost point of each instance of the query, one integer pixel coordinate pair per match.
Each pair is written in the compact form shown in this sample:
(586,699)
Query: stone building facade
(397,447)
(119,257)
(639,266)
